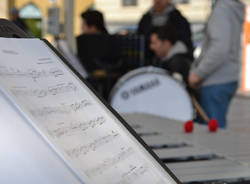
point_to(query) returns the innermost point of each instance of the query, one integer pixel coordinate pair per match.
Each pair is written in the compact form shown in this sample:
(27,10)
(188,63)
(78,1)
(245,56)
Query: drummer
(171,54)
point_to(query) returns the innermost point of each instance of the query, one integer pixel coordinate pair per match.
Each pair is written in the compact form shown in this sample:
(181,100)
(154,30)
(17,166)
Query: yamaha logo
(126,94)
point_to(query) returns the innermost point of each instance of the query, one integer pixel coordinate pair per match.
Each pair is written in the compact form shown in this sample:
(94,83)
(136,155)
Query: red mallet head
(188,126)
(213,125)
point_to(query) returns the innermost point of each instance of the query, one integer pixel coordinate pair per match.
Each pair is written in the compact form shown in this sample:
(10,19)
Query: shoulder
(144,23)
(146,16)
(182,57)
(176,16)
(176,13)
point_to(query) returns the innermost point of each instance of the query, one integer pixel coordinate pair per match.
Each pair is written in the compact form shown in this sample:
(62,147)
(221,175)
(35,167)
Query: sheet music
(74,61)
(67,113)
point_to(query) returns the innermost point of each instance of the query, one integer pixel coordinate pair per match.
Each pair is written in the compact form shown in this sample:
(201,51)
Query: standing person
(93,22)
(97,52)
(216,71)
(172,53)
(163,13)
(92,44)
(14,16)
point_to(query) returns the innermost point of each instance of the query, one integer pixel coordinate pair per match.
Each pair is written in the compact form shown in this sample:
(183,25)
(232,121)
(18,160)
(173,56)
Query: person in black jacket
(93,22)
(163,13)
(171,53)
(14,16)
(93,43)
(98,52)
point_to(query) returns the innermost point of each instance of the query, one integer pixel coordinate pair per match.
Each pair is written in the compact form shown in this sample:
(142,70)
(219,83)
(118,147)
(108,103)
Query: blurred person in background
(14,16)
(172,54)
(215,72)
(93,22)
(92,42)
(97,53)
(163,12)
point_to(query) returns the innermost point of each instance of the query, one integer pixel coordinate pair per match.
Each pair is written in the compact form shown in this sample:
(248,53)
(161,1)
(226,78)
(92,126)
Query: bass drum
(151,90)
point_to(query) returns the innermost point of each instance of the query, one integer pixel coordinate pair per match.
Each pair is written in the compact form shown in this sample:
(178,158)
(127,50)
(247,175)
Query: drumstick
(199,109)
(212,123)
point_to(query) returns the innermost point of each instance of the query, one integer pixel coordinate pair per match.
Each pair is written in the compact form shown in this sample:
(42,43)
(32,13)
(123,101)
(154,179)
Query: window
(129,2)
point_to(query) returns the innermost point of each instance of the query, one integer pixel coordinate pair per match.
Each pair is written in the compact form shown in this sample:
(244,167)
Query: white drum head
(150,90)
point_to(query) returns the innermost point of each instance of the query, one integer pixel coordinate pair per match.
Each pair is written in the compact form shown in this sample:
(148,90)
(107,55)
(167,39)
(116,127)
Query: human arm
(218,43)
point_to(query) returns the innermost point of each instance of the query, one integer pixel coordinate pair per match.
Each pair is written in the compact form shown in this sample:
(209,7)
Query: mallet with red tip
(212,123)
(189,126)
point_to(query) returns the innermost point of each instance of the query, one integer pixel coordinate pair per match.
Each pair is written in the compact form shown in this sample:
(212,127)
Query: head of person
(93,22)
(160,5)
(162,39)
(14,13)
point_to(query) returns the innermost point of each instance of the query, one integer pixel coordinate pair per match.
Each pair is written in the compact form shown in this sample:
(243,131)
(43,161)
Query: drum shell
(152,90)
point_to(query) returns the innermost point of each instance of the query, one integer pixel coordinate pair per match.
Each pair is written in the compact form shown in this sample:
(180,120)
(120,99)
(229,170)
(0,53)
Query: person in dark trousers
(172,54)
(163,13)
(216,71)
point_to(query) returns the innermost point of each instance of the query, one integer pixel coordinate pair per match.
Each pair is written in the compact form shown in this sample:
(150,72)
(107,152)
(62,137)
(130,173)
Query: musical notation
(63,129)
(93,146)
(11,52)
(45,111)
(44,61)
(62,109)
(78,106)
(30,73)
(40,93)
(110,162)
(70,118)
(133,174)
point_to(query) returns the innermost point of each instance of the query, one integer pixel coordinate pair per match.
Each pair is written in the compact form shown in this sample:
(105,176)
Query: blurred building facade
(125,13)
(36,11)
(4,8)
(118,13)
(132,10)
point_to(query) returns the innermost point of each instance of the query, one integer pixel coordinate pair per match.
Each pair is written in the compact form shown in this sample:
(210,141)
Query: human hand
(194,80)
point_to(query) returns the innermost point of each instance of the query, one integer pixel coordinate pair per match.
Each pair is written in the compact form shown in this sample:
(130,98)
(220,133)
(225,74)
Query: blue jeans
(215,100)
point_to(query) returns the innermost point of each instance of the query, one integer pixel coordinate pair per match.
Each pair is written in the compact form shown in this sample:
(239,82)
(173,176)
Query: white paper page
(25,158)
(73,60)
(81,129)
